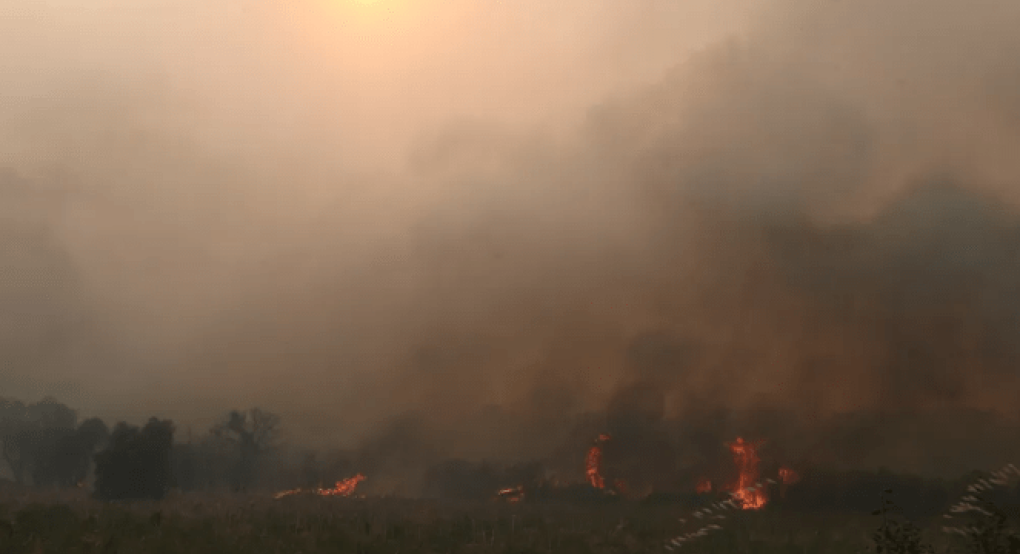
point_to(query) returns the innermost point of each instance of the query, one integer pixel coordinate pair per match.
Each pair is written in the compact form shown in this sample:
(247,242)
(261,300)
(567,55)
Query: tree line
(43,444)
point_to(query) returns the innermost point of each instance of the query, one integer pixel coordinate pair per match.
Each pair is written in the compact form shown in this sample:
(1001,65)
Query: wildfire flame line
(744,496)
(342,488)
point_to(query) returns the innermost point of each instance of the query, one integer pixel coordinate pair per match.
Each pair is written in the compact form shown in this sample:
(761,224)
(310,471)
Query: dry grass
(71,522)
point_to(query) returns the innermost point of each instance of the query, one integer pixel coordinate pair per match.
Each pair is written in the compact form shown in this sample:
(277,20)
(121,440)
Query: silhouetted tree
(64,456)
(51,414)
(46,451)
(17,441)
(31,434)
(189,473)
(136,463)
(12,418)
(251,434)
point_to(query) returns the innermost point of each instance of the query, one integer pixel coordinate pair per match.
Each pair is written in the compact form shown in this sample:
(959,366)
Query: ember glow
(704,486)
(788,476)
(746,491)
(512,494)
(342,488)
(593,463)
(290,492)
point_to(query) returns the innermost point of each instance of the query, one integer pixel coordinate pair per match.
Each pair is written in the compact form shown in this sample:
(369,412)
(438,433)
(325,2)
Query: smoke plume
(795,219)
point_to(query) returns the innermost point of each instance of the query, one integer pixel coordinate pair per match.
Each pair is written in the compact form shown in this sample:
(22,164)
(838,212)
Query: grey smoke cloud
(644,211)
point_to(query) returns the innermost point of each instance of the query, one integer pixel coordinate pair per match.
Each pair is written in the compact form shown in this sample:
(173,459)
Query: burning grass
(345,487)
(745,515)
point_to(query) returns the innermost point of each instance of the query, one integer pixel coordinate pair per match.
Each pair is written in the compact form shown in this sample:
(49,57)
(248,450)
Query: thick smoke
(804,230)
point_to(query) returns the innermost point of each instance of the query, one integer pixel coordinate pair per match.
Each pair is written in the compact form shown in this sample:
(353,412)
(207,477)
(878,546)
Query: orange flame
(342,488)
(593,463)
(747,491)
(704,486)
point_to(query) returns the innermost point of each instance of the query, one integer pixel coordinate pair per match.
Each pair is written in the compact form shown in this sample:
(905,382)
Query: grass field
(70,522)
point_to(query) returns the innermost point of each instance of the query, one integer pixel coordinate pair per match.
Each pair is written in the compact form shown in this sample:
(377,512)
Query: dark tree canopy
(64,456)
(251,434)
(35,439)
(253,431)
(136,463)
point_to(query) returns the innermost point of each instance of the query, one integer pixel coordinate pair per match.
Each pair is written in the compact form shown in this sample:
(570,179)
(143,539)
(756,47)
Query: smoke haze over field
(483,220)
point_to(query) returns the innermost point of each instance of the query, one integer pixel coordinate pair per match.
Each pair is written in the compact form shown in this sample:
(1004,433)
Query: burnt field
(824,512)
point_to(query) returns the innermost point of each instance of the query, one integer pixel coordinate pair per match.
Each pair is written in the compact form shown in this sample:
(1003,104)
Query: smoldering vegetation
(805,232)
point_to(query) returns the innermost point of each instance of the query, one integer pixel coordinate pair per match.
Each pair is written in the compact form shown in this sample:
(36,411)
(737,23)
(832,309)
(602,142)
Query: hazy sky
(187,145)
(345,211)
